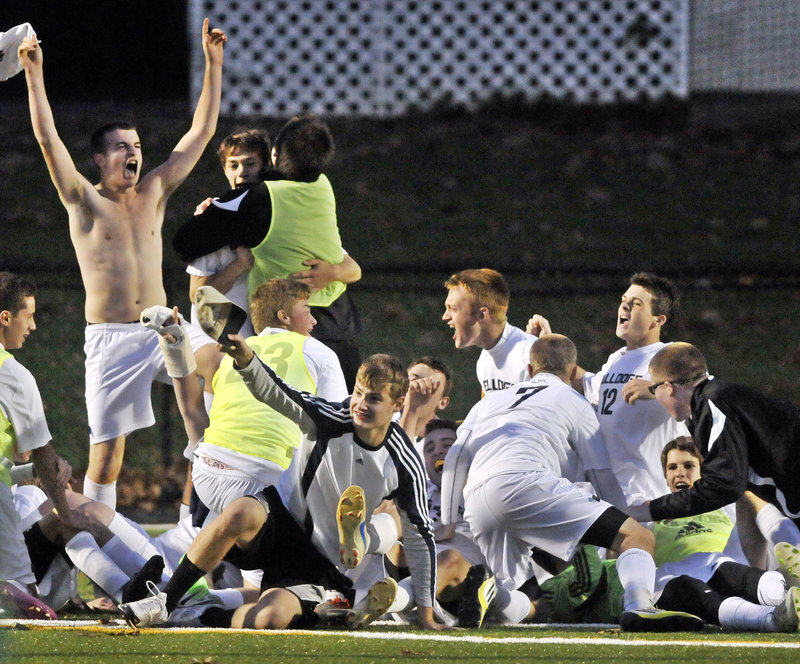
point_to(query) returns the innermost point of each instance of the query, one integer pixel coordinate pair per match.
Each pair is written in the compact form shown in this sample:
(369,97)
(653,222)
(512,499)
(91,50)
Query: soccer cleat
(16,603)
(351,517)
(378,600)
(217,315)
(787,615)
(188,613)
(197,593)
(334,610)
(788,557)
(136,588)
(148,611)
(656,620)
(479,589)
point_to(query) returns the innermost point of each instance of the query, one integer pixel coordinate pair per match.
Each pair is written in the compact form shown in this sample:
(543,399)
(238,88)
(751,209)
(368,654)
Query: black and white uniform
(635,433)
(520,458)
(331,458)
(746,438)
(506,363)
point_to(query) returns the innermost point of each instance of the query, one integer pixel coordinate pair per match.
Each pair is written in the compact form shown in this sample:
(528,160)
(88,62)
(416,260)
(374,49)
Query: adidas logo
(692,528)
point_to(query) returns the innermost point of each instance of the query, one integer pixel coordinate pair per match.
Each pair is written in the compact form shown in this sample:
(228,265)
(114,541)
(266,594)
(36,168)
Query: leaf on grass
(21,626)
(208,660)
(416,653)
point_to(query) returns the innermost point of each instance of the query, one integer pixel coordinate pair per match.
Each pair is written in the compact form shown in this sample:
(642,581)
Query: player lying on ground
(297,532)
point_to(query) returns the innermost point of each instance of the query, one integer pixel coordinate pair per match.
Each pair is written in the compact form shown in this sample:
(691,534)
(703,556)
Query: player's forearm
(204,121)
(223,280)
(348,271)
(46,467)
(44,127)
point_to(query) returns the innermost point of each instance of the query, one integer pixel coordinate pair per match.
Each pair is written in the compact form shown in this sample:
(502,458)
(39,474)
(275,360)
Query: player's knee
(633,535)
(242,516)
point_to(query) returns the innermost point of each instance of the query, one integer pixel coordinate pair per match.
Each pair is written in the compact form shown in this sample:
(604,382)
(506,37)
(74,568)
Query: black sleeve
(724,471)
(238,218)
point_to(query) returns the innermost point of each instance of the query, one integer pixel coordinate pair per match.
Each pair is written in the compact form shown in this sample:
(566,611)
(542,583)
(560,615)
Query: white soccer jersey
(540,425)
(634,434)
(21,404)
(210,264)
(506,363)
(330,458)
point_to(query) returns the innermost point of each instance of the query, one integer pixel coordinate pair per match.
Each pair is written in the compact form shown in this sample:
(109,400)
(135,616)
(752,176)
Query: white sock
(737,613)
(381,533)
(87,556)
(231,598)
(128,561)
(771,589)
(777,527)
(102,493)
(509,607)
(133,538)
(637,573)
(404,600)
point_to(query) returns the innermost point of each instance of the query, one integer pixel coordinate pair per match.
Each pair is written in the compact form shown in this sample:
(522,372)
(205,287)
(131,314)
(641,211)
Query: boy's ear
(444,402)
(398,405)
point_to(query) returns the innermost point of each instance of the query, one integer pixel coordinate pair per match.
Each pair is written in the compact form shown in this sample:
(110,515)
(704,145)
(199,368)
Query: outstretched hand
(238,349)
(213,42)
(318,275)
(30,53)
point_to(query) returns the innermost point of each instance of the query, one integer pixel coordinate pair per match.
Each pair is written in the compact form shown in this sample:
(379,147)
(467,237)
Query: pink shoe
(16,603)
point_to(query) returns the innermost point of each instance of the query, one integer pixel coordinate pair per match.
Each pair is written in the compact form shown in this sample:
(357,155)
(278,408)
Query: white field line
(425,636)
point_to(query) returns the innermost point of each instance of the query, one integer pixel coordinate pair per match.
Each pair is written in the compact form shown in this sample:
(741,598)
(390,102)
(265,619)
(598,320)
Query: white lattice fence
(382,57)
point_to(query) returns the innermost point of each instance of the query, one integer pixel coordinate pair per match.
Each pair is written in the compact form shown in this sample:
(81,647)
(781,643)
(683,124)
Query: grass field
(92,645)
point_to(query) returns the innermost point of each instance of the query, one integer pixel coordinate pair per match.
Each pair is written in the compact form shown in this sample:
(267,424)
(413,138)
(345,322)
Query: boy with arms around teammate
(115,227)
(344,446)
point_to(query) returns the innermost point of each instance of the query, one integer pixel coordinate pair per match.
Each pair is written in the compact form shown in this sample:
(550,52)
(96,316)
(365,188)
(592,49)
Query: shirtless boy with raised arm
(115,227)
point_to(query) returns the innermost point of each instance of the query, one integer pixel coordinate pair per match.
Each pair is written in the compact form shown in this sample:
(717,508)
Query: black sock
(217,617)
(736,580)
(683,593)
(183,579)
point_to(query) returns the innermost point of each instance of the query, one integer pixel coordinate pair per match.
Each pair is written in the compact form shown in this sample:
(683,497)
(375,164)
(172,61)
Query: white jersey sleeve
(325,369)
(455,471)
(21,404)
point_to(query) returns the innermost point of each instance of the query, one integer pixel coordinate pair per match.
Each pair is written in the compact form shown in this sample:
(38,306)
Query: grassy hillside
(567,203)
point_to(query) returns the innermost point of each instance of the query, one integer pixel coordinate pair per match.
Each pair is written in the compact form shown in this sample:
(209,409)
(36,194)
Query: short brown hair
(247,140)
(682,443)
(273,296)
(678,362)
(435,424)
(382,369)
(555,354)
(486,287)
(666,296)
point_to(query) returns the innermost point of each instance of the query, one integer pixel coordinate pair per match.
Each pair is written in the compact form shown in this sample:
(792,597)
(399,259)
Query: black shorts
(42,551)
(285,553)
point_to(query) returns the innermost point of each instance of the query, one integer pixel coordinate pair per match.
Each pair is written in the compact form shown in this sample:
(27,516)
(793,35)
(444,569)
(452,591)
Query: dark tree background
(135,50)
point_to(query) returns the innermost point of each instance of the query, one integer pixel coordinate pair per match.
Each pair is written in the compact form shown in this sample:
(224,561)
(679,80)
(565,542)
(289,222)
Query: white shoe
(351,517)
(788,557)
(787,615)
(189,614)
(377,602)
(148,611)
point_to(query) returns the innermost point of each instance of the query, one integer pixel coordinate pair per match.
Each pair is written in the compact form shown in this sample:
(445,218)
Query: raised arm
(69,183)
(204,123)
